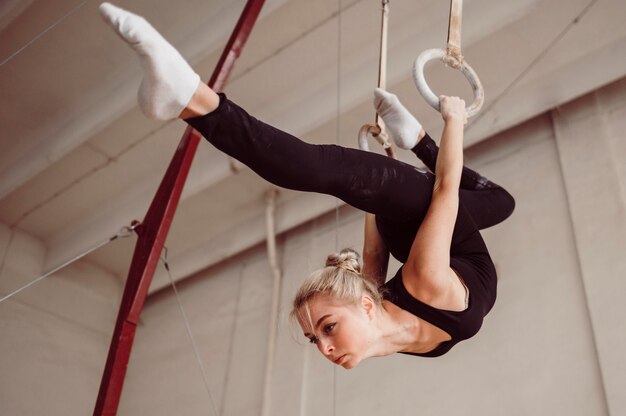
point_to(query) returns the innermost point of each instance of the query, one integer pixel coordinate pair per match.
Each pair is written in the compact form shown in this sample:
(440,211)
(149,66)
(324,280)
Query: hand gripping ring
(420,81)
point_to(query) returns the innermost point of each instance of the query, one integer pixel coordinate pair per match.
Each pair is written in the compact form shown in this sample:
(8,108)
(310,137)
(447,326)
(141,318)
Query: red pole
(153,231)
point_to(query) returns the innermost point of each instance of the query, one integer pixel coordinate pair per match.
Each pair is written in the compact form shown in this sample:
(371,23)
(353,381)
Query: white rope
(52,26)
(188,328)
(272,255)
(124,232)
(378,130)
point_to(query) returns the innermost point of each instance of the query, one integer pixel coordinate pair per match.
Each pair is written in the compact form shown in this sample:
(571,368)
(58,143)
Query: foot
(405,130)
(169,82)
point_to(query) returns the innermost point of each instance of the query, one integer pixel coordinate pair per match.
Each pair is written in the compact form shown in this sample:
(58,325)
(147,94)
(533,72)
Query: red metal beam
(155,227)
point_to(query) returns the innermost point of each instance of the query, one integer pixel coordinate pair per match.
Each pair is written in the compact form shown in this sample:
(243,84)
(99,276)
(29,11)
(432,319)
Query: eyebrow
(319,321)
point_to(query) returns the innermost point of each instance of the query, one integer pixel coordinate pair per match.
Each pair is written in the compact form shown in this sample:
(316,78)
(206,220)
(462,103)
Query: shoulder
(441,289)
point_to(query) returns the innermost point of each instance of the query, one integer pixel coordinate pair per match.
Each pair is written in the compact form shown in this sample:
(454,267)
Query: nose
(325,347)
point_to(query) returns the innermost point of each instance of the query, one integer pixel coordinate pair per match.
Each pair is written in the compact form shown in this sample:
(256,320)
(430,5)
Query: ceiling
(78,160)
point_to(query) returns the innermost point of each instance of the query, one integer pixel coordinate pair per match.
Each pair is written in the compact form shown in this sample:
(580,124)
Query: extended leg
(367,181)
(171,89)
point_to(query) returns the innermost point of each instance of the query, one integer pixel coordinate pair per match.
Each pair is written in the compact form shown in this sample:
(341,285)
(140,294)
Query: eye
(313,340)
(329,327)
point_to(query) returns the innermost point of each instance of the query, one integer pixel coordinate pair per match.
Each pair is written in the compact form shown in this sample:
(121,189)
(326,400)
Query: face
(342,332)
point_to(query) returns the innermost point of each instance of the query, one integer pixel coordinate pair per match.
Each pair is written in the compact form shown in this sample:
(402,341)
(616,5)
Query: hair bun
(346,259)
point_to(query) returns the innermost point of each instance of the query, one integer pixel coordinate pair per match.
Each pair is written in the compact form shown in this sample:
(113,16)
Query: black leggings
(397,193)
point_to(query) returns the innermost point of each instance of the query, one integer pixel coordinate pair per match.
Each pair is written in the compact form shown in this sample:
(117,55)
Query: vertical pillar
(589,135)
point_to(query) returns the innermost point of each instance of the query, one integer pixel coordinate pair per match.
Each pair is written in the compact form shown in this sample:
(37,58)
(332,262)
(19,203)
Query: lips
(339,360)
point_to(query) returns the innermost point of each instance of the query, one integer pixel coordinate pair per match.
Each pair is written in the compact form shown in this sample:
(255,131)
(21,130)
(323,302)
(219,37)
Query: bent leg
(486,202)
(399,234)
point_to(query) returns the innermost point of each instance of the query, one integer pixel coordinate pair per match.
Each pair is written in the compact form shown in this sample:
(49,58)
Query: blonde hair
(341,279)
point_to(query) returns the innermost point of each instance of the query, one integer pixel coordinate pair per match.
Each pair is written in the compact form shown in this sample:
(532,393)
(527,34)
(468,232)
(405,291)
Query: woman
(431,223)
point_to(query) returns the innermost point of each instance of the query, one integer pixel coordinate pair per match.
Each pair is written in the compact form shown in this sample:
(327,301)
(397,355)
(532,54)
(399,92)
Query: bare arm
(427,273)
(375,253)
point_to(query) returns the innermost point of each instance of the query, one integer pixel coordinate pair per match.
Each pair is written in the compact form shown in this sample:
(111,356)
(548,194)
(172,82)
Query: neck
(396,331)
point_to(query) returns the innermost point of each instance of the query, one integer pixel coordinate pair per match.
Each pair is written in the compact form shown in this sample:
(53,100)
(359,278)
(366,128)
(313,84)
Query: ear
(369,306)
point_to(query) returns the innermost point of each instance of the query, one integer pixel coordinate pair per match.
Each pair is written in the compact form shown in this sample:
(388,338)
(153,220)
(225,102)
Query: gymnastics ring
(377,133)
(441,54)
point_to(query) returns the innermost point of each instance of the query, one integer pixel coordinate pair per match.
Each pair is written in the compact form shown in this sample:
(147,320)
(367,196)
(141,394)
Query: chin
(350,364)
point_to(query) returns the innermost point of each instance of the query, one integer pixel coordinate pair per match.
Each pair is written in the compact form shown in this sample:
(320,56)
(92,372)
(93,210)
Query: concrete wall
(54,336)
(552,345)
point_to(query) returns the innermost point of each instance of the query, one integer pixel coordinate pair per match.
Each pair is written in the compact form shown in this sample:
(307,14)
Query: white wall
(228,310)
(54,336)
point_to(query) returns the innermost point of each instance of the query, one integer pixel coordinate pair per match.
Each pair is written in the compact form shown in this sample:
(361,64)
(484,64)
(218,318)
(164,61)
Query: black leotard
(397,193)
(482,205)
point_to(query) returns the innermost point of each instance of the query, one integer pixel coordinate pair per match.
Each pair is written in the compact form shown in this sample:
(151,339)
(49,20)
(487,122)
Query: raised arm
(427,273)
(375,253)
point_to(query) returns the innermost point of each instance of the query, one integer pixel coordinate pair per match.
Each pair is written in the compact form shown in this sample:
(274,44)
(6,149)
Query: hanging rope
(377,130)
(124,232)
(188,329)
(450,56)
(272,256)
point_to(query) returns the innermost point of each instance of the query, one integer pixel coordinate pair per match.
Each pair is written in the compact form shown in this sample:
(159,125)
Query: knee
(508,202)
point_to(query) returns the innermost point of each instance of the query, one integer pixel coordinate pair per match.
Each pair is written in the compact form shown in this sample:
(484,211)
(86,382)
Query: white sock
(402,126)
(169,82)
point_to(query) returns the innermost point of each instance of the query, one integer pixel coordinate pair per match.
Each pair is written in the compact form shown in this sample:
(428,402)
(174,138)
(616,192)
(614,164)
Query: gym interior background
(78,161)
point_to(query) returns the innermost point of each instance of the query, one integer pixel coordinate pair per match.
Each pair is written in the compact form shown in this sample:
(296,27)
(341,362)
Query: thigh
(466,237)
(399,233)
(487,207)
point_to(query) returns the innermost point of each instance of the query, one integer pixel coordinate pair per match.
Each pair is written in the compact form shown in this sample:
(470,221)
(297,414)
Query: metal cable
(36,38)
(126,231)
(188,328)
